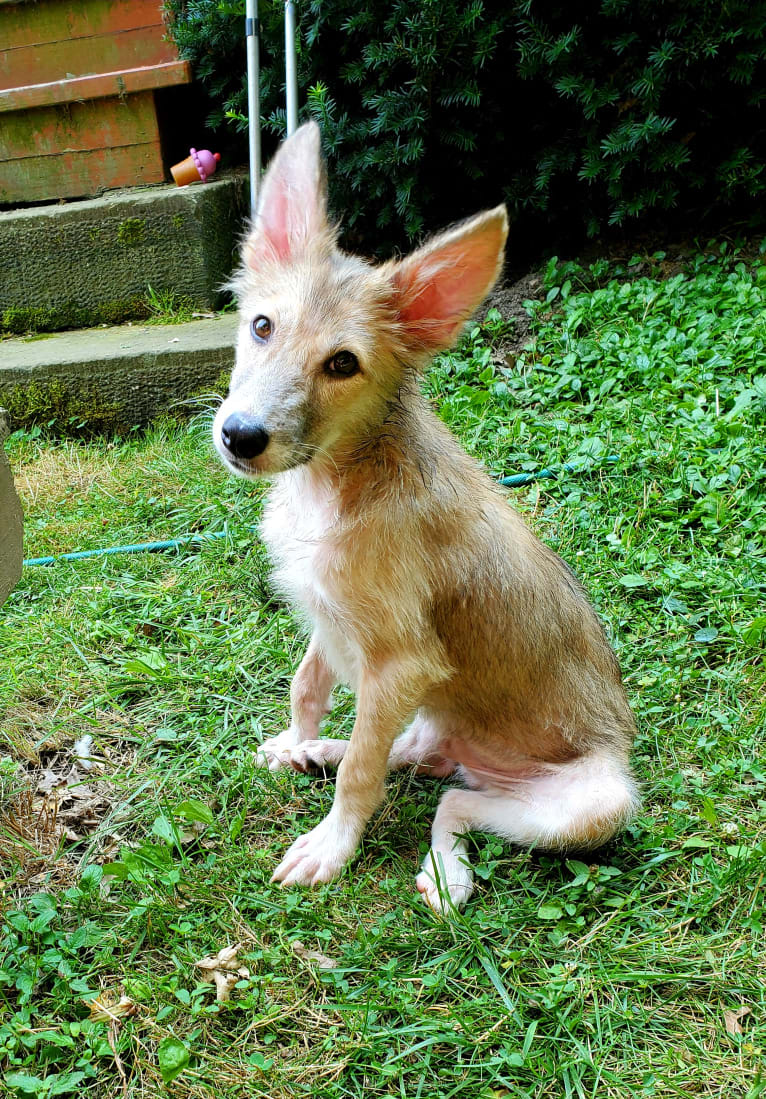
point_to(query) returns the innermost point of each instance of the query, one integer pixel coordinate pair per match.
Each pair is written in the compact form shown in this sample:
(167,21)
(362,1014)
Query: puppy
(470,646)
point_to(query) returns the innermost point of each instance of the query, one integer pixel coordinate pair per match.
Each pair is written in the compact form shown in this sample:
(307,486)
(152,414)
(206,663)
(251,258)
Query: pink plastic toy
(200,164)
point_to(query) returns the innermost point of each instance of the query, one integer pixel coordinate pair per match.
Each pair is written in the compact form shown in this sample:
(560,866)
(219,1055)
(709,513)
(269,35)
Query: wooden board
(77,80)
(80,149)
(95,87)
(104,124)
(34,24)
(34,180)
(109,52)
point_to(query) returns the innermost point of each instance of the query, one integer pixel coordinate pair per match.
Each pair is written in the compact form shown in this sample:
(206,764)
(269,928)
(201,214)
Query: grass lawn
(635,971)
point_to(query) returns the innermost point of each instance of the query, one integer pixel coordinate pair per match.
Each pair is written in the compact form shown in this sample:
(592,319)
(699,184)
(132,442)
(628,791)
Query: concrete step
(110,379)
(77,264)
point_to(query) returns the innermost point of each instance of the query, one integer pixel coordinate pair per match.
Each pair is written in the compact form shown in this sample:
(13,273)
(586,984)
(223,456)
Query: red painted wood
(76,96)
(78,175)
(26,24)
(96,87)
(109,52)
(98,124)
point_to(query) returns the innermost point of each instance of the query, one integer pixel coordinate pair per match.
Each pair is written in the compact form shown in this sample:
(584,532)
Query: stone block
(11,531)
(79,264)
(112,379)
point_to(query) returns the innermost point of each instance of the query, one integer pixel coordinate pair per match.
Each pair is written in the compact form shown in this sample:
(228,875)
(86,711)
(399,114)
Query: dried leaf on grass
(60,802)
(322,960)
(50,780)
(226,958)
(223,970)
(76,802)
(731,1020)
(193,834)
(106,1009)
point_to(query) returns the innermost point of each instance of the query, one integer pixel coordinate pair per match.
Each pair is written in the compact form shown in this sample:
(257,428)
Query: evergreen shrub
(581,115)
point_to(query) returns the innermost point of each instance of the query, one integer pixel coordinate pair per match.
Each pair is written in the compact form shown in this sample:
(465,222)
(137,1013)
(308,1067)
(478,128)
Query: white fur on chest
(298,528)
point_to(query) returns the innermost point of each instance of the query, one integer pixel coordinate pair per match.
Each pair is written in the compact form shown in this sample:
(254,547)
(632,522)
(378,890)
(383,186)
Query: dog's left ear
(440,285)
(292,204)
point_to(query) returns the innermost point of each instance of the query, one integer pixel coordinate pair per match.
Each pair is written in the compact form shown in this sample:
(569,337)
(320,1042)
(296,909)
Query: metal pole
(253,99)
(291,74)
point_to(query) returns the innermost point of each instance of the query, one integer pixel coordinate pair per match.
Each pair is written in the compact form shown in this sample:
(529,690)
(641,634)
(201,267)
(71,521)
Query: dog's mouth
(243,467)
(240,465)
(251,470)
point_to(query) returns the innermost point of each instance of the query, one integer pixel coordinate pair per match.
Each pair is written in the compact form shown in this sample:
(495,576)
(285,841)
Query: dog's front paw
(274,753)
(317,857)
(317,755)
(446,880)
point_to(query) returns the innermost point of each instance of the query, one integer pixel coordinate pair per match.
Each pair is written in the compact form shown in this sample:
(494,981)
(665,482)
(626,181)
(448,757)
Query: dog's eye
(343,364)
(261,328)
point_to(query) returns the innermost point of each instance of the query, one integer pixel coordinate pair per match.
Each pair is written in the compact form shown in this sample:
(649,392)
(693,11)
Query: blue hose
(517,479)
(140,547)
(513,481)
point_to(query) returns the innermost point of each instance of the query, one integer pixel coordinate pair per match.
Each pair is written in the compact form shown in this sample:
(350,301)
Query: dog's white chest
(295,531)
(297,528)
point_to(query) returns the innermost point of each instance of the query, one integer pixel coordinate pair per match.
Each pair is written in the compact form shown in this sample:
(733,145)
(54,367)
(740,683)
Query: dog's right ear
(292,204)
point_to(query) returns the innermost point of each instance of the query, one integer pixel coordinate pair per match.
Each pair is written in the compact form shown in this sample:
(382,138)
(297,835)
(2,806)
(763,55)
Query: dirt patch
(509,300)
(39,722)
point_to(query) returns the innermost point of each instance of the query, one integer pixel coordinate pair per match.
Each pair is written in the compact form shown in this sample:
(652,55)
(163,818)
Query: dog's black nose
(244,436)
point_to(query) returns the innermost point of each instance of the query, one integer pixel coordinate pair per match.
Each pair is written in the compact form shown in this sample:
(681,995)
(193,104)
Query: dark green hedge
(582,115)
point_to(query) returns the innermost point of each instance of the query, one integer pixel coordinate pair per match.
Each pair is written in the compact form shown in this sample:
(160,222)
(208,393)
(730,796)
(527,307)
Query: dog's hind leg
(572,805)
(309,701)
(420,746)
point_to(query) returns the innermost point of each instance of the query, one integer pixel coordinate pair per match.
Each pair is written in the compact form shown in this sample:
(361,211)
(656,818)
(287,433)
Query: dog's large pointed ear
(292,202)
(440,285)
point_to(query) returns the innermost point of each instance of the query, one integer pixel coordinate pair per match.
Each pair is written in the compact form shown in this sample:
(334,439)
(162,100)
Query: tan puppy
(425,592)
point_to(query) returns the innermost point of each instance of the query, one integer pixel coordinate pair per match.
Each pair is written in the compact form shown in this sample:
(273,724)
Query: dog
(470,646)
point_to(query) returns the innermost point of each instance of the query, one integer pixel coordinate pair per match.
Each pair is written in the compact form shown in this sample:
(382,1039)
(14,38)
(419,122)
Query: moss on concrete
(53,405)
(18,321)
(222,383)
(202,397)
(131,231)
(109,380)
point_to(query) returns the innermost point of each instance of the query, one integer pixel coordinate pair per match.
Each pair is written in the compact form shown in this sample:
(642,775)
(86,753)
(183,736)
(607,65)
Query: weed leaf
(755,632)
(194,811)
(632,580)
(173,1057)
(549,912)
(28,1084)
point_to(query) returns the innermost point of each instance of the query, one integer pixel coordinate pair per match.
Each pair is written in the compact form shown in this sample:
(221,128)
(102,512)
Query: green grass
(606,977)
(166,307)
